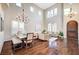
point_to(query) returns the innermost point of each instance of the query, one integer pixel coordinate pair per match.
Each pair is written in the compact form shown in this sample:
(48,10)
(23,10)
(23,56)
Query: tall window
(55,11)
(49,27)
(17,26)
(52,13)
(48,14)
(52,27)
(21,26)
(14,27)
(38,27)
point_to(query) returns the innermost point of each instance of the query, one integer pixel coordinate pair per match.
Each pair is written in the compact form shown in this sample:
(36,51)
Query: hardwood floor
(7,48)
(40,48)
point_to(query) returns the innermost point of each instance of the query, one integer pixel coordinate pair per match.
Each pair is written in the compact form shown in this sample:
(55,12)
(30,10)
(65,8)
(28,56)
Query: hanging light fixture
(72,13)
(22,17)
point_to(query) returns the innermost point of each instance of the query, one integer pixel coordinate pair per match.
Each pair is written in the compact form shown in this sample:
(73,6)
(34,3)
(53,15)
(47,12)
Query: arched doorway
(72,35)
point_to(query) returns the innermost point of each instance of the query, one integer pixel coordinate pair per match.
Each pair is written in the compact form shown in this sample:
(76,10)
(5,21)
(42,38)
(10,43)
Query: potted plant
(61,34)
(44,31)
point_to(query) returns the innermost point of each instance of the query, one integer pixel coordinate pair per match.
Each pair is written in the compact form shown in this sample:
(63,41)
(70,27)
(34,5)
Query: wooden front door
(72,34)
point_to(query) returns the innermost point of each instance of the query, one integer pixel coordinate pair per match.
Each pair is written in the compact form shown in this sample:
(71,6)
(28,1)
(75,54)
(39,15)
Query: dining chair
(29,40)
(35,36)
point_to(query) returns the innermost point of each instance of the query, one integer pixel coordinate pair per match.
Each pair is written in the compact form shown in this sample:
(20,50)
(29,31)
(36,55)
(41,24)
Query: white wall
(34,17)
(60,19)
(75,7)
(1,40)
(1,33)
(12,11)
(9,15)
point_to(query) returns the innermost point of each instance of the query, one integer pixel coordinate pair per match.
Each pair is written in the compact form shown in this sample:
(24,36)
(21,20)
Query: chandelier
(72,13)
(22,17)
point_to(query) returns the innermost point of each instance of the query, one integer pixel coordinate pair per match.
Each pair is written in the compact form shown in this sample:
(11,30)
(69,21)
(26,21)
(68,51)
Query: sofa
(43,36)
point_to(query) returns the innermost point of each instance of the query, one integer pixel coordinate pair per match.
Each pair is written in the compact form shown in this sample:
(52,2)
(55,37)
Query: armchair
(35,36)
(30,39)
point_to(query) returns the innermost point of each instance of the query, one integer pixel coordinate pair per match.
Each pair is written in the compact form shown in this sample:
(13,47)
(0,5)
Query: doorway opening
(72,35)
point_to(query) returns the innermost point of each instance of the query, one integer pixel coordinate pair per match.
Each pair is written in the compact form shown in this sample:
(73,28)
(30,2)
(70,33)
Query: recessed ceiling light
(31,9)
(18,4)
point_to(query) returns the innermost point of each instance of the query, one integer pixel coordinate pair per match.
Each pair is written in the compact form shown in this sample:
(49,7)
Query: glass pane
(66,11)
(55,11)
(54,27)
(48,14)
(21,26)
(52,13)
(38,28)
(14,27)
(49,27)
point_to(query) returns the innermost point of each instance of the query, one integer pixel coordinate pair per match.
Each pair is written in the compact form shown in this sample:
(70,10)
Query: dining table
(23,38)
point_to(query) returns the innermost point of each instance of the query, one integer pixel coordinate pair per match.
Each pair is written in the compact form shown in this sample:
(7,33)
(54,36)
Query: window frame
(52,12)
(55,11)
(66,11)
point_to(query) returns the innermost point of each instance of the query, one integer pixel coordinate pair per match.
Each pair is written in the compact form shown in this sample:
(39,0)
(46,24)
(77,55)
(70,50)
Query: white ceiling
(44,5)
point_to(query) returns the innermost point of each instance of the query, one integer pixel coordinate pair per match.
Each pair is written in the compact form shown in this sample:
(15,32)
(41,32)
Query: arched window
(52,27)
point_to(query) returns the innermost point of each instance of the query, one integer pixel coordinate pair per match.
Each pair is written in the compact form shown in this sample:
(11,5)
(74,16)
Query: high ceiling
(44,5)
